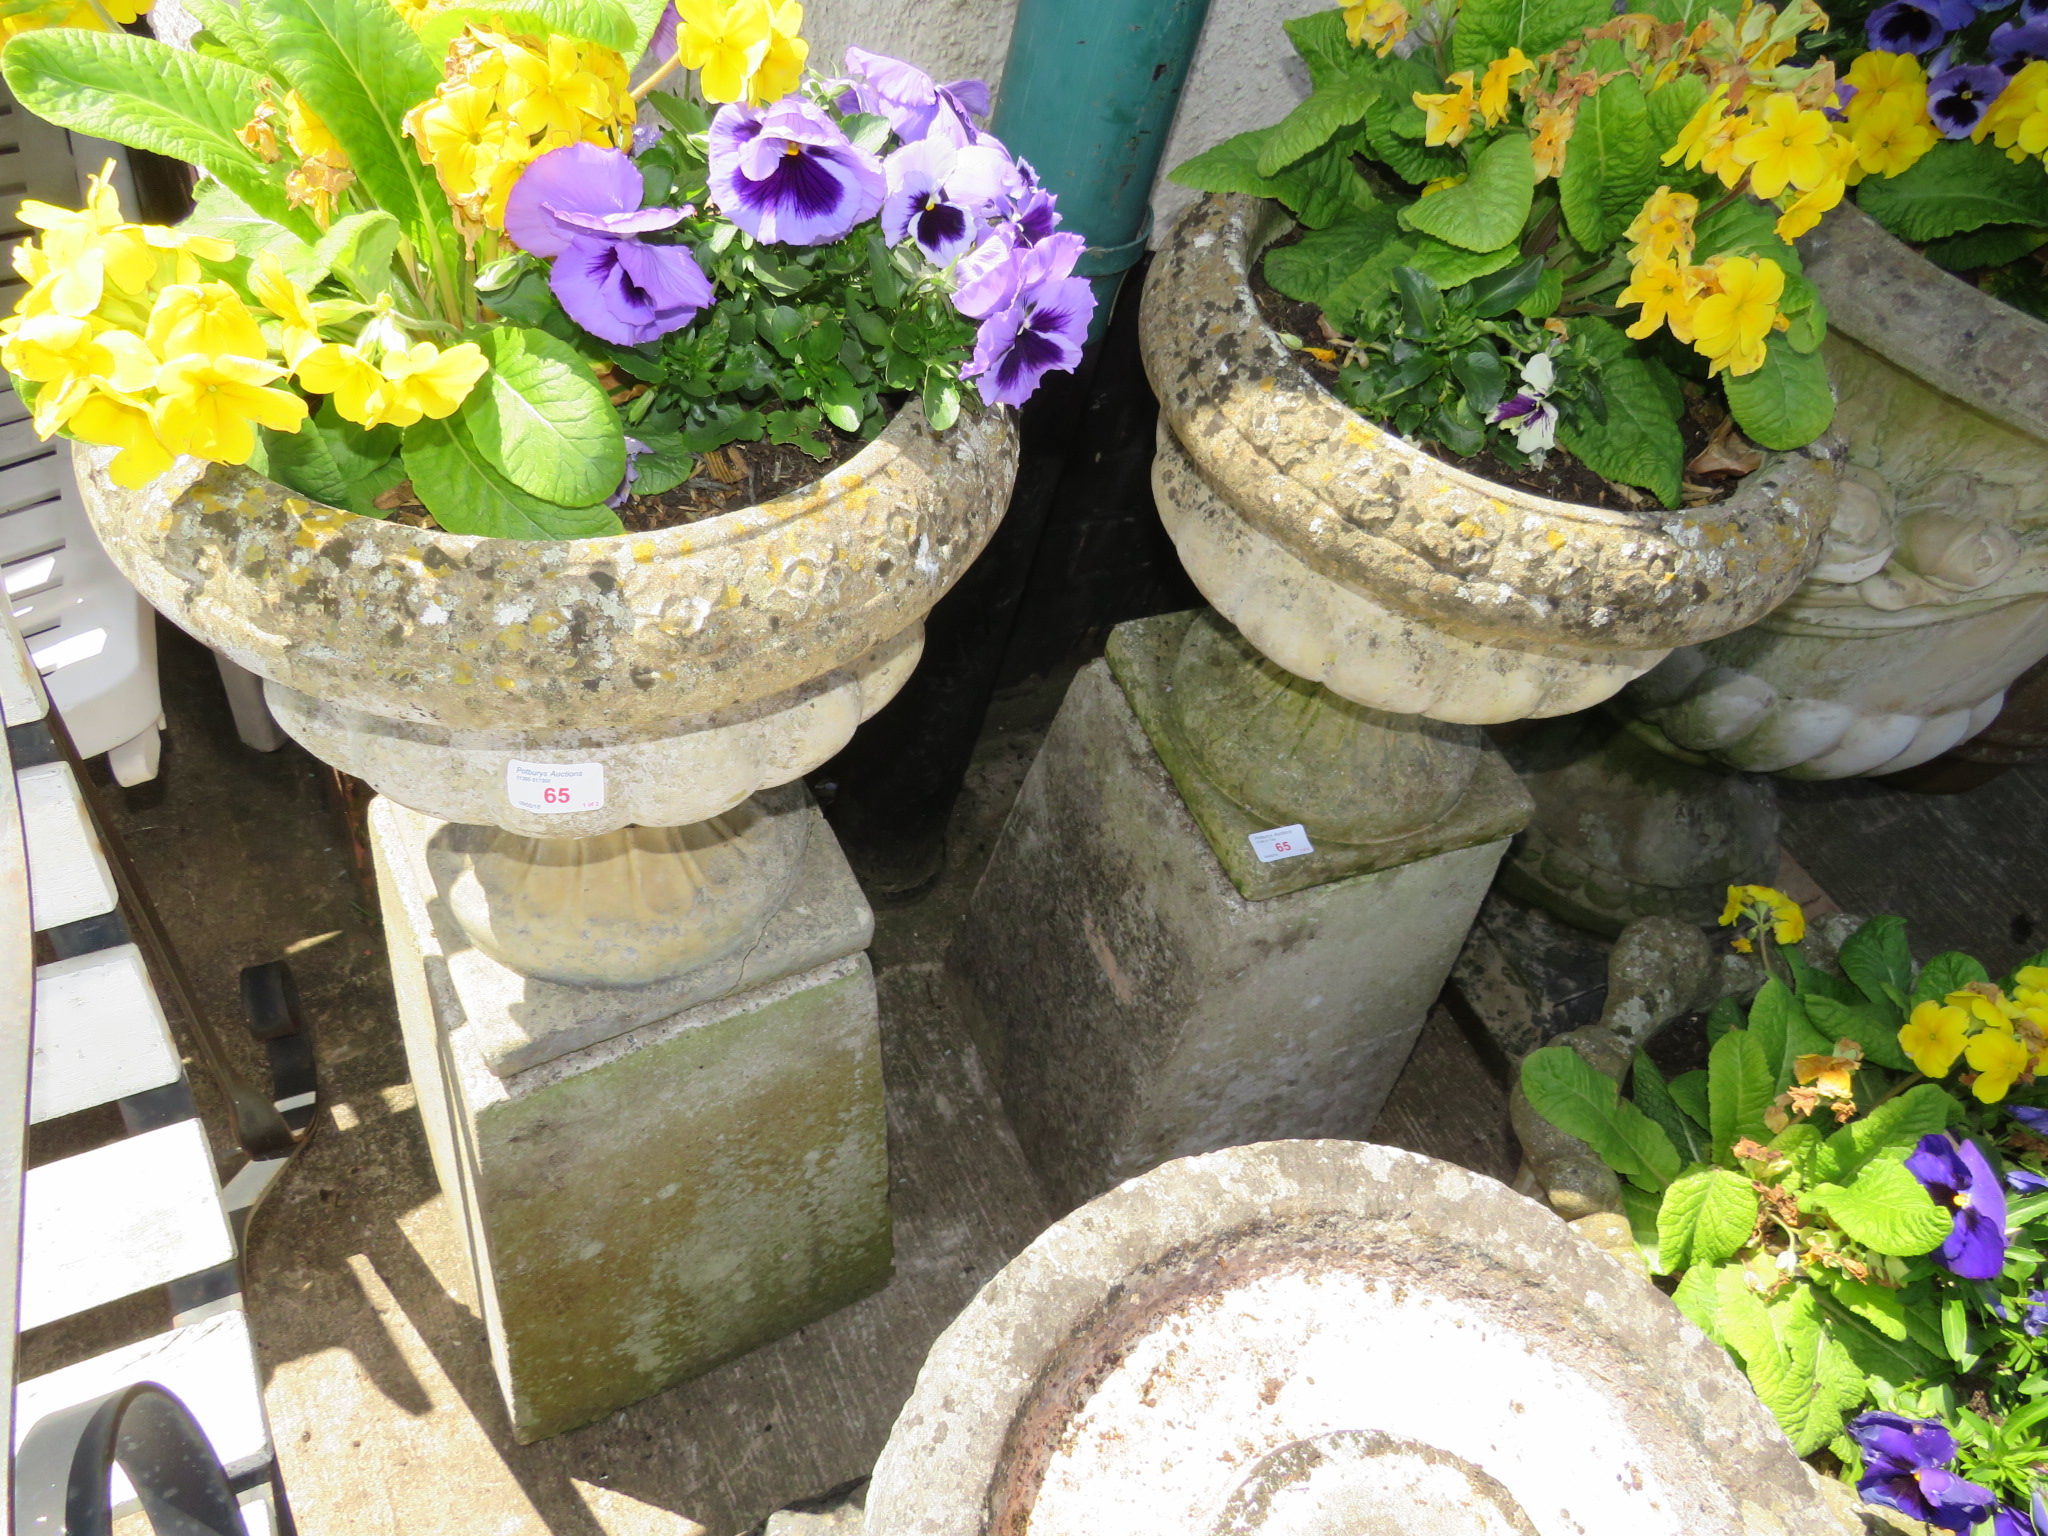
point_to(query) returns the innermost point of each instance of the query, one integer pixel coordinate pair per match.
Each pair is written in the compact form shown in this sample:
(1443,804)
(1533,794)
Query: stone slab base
(644,1208)
(1135,1007)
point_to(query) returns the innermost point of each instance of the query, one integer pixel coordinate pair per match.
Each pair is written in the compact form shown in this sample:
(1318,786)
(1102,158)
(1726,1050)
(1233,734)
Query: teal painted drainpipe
(1087,96)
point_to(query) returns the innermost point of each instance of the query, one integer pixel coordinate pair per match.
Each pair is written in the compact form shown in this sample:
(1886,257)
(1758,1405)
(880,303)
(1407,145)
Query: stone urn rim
(1386,518)
(953,1465)
(630,631)
(1885,296)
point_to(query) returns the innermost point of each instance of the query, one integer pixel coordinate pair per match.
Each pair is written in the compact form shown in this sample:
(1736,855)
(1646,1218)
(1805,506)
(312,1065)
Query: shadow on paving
(380,1387)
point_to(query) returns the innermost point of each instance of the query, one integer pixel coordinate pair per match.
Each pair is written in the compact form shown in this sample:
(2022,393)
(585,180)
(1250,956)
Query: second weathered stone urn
(628,953)
(1930,597)
(1255,838)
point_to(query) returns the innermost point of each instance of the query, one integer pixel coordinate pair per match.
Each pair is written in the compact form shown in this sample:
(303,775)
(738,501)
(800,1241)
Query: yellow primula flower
(1834,1075)
(426,381)
(724,43)
(782,66)
(1701,130)
(1805,210)
(210,407)
(1784,147)
(1891,136)
(2018,121)
(1663,229)
(1552,138)
(209,318)
(360,391)
(1987,1006)
(1441,184)
(1730,327)
(1450,112)
(1494,84)
(1761,902)
(1877,74)
(551,93)
(1998,1059)
(1668,292)
(1377,23)
(125,424)
(311,137)
(299,329)
(1934,1037)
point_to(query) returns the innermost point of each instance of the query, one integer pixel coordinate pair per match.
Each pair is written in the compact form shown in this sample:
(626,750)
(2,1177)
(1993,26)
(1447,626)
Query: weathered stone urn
(1929,598)
(629,957)
(1332,1338)
(1931,595)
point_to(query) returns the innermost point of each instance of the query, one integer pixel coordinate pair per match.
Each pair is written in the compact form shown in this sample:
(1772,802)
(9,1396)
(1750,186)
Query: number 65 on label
(555,789)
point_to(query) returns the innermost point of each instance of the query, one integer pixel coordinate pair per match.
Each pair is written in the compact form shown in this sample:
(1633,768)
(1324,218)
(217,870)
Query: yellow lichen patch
(643,550)
(544,623)
(506,683)
(1554,539)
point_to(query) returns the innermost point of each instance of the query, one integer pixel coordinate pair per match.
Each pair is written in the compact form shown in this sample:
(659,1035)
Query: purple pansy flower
(2024,1181)
(1960,1179)
(1837,109)
(2015,43)
(1529,414)
(941,194)
(1041,327)
(1904,27)
(2033,10)
(2011,1520)
(580,205)
(788,175)
(987,278)
(1906,1468)
(2036,1320)
(618,498)
(1958,98)
(2035,1120)
(916,105)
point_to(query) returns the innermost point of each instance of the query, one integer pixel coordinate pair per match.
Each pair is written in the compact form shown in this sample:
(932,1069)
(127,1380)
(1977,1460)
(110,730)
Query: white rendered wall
(1245,74)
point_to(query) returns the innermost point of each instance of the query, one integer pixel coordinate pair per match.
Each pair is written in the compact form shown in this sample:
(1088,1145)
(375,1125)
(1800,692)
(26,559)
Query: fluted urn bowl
(697,664)
(1931,595)
(1358,560)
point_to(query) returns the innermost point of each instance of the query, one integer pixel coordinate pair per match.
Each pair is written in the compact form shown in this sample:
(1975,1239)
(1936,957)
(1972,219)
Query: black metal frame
(62,1471)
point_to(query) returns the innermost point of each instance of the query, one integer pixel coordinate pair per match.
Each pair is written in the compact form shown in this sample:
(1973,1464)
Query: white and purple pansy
(942,195)
(788,174)
(915,104)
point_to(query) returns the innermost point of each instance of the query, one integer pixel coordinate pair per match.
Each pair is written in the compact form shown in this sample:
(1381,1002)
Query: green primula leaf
(1689,1093)
(1726,1014)
(1639,444)
(1549,293)
(1509,290)
(1876,1029)
(218,212)
(362,494)
(1992,246)
(1582,1101)
(1956,187)
(1653,1097)
(644,16)
(1799,1369)
(1325,47)
(1771,1018)
(1640,1207)
(357,451)
(1670,108)
(1314,267)
(941,403)
(1409,158)
(1741,1082)
(543,419)
(1320,189)
(1884,1208)
(1744,228)
(1611,167)
(1876,958)
(1707,1215)
(1788,402)
(358,250)
(1955,1332)
(1945,974)
(1699,1297)
(1486,210)
(140,93)
(1884,1309)
(1895,1362)
(1487,29)
(1451,266)
(224,20)
(466,494)
(360,68)
(1313,123)
(300,460)
(1232,166)
(1690,13)
(1892,1129)
(594,21)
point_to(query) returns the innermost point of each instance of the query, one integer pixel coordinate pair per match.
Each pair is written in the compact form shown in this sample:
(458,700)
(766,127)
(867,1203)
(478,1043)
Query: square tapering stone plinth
(1137,1007)
(521,1021)
(643,1208)
(1140,656)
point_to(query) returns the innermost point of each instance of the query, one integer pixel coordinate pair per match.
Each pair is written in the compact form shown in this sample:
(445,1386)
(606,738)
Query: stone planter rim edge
(1769,530)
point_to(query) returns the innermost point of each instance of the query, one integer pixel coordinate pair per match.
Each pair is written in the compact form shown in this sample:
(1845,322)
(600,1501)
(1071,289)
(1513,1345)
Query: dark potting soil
(737,475)
(1560,476)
